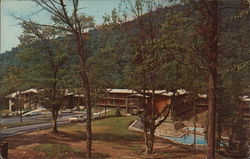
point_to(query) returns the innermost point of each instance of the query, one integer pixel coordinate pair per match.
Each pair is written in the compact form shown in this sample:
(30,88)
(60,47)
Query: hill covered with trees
(185,46)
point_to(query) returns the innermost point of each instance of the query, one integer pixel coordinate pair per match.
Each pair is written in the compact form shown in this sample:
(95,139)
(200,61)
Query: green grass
(117,124)
(53,150)
(111,112)
(128,146)
(4,111)
(27,110)
(114,129)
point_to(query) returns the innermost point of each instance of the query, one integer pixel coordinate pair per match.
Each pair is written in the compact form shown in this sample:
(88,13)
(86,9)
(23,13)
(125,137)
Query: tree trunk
(78,103)
(54,121)
(145,120)
(151,140)
(152,123)
(219,133)
(105,111)
(172,104)
(86,86)
(126,104)
(88,121)
(211,118)
(20,107)
(146,140)
(195,120)
(4,149)
(54,126)
(212,56)
(95,100)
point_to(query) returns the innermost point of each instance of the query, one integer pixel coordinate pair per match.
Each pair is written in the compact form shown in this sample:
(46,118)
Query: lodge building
(123,98)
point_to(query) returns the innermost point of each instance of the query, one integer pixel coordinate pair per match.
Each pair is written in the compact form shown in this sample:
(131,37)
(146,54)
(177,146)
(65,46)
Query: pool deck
(137,126)
(167,129)
(161,132)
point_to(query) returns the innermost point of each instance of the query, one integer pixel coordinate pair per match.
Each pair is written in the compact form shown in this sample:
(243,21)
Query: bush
(118,112)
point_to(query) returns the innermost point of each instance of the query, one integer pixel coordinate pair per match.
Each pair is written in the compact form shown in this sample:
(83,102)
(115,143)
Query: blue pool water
(188,139)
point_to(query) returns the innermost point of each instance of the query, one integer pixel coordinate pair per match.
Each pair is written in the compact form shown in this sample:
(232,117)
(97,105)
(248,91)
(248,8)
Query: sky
(11,30)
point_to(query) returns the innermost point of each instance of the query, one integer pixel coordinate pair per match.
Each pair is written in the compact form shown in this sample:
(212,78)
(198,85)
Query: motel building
(113,98)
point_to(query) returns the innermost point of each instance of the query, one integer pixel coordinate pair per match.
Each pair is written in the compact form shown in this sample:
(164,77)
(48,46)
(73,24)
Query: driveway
(45,116)
(28,128)
(62,120)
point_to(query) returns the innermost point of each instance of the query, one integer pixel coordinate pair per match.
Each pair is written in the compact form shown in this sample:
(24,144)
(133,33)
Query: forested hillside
(201,47)
(110,50)
(7,59)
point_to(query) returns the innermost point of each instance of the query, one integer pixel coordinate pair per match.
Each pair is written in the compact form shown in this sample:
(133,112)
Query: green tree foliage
(75,24)
(233,73)
(121,53)
(44,57)
(232,53)
(8,62)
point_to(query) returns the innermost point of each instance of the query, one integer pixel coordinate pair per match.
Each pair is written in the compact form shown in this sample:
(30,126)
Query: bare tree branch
(165,117)
(165,108)
(45,25)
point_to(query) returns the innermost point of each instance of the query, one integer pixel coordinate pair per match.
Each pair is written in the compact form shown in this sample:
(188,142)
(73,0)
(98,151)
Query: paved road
(28,128)
(46,116)
(62,120)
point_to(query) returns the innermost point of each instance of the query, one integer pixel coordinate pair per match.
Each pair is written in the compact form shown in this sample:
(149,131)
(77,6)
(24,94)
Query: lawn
(55,150)
(111,139)
(3,111)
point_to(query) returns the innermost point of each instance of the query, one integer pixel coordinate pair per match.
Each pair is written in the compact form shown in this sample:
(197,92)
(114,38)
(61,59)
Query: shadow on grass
(116,137)
(44,138)
(96,155)
(104,136)
(52,145)
(23,140)
(75,134)
(64,151)
(78,136)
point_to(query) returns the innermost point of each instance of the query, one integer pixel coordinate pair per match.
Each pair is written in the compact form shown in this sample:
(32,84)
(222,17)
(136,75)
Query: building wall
(181,106)
(71,101)
(27,101)
(117,100)
(162,102)
(11,104)
(245,109)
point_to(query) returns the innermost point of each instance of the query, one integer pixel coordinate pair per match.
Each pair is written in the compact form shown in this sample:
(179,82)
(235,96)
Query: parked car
(80,108)
(77,118)
(42,109)
(97,115)
(67,111)
(32,114)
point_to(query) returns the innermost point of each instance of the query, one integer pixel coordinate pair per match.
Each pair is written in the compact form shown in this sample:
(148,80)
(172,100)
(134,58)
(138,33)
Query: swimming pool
(188,139)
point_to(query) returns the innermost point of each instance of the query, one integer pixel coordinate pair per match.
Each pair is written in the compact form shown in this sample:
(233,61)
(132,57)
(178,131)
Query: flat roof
(13,95)
(127,91)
